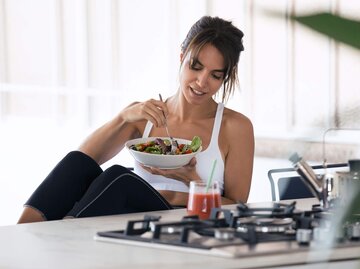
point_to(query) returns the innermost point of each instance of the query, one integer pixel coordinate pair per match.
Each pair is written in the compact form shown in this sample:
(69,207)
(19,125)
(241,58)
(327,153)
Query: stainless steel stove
(244,232)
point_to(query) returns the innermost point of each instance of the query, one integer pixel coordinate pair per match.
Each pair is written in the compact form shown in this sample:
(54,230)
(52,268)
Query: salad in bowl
(157,152)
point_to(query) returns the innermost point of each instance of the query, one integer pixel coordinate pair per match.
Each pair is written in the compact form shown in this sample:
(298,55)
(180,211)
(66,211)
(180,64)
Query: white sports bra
(204,161)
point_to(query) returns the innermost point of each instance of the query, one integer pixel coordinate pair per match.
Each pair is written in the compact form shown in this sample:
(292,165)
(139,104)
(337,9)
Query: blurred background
(68,66)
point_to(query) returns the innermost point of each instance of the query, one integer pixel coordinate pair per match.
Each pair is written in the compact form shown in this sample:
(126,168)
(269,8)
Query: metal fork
(174,144)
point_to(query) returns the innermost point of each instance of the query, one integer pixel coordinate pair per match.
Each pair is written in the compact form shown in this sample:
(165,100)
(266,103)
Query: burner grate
(241,231)
(278,210)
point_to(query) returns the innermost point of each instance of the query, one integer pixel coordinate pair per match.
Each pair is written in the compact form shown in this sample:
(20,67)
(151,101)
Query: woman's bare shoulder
(236,121)
(236,131)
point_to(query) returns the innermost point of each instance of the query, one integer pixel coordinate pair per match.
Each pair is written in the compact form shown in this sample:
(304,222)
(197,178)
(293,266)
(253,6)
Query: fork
(174,144)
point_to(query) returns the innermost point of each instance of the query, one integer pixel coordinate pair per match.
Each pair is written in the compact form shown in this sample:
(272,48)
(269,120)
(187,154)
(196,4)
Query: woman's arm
(238,137)
(108,140)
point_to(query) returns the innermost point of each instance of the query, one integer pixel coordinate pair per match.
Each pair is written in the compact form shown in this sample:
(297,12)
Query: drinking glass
(202,200)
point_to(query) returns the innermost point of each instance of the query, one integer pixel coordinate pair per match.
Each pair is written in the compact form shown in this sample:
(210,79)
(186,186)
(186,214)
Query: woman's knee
(115,171)
(114,175)
(30,214)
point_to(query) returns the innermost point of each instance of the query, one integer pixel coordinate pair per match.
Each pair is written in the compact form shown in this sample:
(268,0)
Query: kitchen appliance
(245,231)
(331,189)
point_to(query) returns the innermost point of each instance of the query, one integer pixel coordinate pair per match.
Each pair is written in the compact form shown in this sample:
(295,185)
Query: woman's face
(200,80)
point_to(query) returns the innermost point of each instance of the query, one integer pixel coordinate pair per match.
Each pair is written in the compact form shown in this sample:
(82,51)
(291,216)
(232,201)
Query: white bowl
(160,161)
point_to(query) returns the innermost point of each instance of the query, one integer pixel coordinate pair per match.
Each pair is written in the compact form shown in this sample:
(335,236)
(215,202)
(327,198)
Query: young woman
(77,186)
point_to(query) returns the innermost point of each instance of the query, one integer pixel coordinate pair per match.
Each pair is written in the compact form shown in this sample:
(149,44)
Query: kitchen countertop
(70,244)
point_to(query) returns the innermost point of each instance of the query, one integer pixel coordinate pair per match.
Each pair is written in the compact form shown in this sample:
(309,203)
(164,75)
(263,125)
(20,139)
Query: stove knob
(353,231)
(321,234)
(225,234)
(303,236)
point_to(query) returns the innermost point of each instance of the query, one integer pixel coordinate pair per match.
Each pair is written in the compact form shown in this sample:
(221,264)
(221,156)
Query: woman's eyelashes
(216,75)
(196,66)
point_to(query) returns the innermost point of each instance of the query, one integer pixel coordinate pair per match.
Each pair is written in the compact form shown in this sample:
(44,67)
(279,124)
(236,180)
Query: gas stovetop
(245,231)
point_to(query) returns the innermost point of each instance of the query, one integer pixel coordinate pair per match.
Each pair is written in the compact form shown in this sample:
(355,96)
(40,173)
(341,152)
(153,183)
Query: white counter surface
(70,244)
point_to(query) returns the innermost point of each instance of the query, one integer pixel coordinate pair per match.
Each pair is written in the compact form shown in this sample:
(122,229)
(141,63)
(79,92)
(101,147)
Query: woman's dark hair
(224,36)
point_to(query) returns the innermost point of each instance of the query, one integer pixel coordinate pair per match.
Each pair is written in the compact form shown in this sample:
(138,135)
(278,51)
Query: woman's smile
(196,92)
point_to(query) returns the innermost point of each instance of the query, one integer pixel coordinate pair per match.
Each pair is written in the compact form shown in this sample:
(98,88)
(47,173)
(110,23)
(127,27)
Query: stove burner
(264,221)
(246,220)
(285,221)
(265,225)
(245,227)
(278,210)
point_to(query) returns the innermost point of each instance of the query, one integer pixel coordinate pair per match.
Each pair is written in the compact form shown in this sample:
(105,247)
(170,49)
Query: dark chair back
(293,188)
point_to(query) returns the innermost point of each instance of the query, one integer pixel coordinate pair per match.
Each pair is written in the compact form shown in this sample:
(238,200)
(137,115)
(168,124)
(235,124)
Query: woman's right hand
(105,142)
(151,110)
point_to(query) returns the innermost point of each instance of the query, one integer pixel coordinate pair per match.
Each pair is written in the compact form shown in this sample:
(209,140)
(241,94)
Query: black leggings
(78,187)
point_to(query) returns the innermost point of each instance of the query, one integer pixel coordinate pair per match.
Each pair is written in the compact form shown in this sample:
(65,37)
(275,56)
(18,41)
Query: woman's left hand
(185,174)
